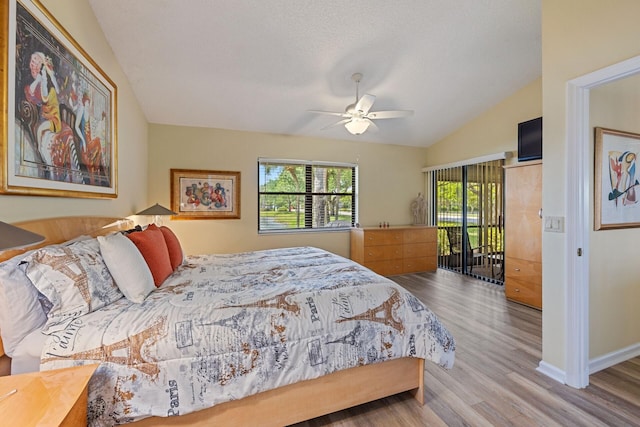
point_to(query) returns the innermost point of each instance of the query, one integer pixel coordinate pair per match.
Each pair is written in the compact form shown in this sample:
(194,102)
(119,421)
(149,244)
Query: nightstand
(56,398)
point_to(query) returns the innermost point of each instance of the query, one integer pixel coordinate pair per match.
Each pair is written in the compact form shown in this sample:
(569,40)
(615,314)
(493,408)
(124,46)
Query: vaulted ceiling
(260,65)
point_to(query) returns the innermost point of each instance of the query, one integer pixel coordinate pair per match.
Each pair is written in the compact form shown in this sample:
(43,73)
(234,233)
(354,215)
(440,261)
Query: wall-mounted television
(530,140)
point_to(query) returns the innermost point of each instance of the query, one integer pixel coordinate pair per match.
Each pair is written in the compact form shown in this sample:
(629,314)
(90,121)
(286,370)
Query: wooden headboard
(58,230)
(61,229)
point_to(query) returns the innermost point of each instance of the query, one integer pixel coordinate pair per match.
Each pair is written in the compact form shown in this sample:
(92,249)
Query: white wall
(77,18)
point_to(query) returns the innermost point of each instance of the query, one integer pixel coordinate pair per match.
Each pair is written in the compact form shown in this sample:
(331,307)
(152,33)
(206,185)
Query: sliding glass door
(468,203)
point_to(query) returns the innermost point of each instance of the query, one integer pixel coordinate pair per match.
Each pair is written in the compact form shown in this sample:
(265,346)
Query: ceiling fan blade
(330,113)
(341,122)
(389,114)
(372,126)
(365,103)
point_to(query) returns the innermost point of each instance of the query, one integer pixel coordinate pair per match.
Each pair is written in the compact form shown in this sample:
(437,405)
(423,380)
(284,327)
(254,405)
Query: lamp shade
(12,237)
(357,126)
(157,210)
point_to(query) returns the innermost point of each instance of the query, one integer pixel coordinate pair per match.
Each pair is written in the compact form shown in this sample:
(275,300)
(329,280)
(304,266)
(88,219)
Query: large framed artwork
(617,189)
(203,194)
(58,137)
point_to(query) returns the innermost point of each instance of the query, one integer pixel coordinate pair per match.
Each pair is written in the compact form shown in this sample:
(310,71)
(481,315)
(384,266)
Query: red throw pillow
(153,248)
(173,245)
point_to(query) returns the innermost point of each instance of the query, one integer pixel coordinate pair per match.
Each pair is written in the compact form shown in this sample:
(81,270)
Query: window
(298,195)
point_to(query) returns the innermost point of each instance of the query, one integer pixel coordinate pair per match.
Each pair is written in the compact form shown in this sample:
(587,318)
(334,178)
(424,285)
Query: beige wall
(77,18)
(494,131)
(613,282)
(578,37)
(389,178)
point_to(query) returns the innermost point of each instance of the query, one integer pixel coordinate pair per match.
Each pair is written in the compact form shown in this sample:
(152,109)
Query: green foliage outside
(289,219)
(287,211)
(449,196)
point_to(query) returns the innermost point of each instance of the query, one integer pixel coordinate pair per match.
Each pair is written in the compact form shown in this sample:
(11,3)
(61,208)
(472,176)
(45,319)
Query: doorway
(576,304)
(468,211)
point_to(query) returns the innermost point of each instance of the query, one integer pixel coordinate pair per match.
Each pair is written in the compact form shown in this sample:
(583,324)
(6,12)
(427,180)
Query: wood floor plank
(618,385)
(629,370)
(545,400)
(490,397)
(597,403)
(494,381)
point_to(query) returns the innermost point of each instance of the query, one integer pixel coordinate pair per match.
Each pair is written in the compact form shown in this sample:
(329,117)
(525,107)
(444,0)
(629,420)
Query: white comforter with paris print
(223,327)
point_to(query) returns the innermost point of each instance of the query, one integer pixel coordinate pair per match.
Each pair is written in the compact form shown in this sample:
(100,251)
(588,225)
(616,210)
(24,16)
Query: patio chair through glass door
(468,203)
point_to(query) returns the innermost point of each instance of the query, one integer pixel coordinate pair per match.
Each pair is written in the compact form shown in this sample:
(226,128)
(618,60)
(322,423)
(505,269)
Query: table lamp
(12,237)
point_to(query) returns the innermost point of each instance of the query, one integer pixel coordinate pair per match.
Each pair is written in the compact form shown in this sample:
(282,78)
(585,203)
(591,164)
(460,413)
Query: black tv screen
(530,140)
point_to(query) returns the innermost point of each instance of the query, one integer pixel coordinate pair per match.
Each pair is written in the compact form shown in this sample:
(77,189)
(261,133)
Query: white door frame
(579,191)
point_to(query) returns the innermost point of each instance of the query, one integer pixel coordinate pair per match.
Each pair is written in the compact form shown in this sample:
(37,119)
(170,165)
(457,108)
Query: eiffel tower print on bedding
(224,327)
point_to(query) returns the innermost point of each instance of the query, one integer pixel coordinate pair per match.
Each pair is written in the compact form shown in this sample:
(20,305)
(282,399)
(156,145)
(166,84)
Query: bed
(268,337)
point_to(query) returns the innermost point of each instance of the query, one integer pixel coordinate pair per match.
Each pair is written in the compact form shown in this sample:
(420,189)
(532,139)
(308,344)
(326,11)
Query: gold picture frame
(205,194)
(59,130)
(616,184)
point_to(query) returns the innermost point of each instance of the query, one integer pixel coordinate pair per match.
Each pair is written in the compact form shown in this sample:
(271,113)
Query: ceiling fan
(358,117)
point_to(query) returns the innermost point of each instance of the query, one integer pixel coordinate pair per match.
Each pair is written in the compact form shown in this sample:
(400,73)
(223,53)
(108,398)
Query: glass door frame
(454,229)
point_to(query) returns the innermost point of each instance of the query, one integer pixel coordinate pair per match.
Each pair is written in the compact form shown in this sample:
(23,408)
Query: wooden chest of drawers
(395,250)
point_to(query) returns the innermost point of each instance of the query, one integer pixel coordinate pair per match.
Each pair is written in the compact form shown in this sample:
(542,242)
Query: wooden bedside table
(56,398)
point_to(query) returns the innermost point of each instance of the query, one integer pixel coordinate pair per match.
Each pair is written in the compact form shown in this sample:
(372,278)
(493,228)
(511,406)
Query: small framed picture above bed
(60,133)
(204,194)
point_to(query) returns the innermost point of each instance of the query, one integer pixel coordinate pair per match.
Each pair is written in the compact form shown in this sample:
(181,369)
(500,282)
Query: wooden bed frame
(282,406)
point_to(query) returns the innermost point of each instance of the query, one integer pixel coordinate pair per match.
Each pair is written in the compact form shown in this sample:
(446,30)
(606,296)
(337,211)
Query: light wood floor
(494,381)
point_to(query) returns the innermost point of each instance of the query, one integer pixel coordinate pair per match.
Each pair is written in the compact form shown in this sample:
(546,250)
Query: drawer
(416,250)
(380,253)
(523,270)
(414,265)
(524,292)
(386,267)
(382,237)
(523,281)
(416,235)
(432,263)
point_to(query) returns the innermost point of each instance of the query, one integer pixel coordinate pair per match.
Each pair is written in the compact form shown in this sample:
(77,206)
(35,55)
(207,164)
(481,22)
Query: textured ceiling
(259,65)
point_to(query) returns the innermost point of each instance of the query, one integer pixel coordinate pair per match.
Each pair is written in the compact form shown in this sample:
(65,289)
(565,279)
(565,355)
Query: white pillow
(20,309)
(127,266)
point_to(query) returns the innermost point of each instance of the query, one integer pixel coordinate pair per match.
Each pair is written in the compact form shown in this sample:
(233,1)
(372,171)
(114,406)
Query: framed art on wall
(202,194)
(59,136)
(617,191)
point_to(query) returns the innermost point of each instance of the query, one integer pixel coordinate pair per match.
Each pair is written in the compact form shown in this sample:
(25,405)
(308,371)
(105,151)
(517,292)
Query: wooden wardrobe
(523,233)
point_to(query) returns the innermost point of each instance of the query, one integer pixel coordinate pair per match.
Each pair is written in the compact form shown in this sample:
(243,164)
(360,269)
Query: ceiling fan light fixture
(357,126)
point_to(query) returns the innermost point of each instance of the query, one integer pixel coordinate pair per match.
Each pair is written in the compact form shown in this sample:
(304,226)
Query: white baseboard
(608,360)
(552,372)
(595,365)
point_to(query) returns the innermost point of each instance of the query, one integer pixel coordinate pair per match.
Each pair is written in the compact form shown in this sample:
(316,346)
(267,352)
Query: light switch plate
(554,224)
